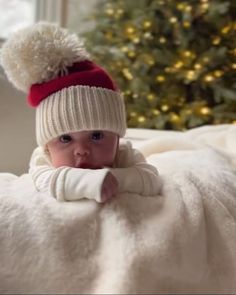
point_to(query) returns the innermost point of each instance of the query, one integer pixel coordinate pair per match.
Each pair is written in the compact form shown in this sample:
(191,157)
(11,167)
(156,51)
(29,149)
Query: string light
(187,53)
(156,112)
(147,35)
(136,40)
(188,8)
(209,78)
(160,78)
(169,70)
(178,64)
(133,114)
(181,6)
(131,54)
(141,119)
(225,30)
(110,11)
(173,20)
(174,118)
(206,59)
(127,92)
(162,40)
(130,30)
(205,111)
(165,107)
(191,75)
(234,66)
(204,7)
(147,24)
(187,112)
(150,97)
(197,66)
(127,74)
(181,101)
(186,24)
(216,40)
(151,61)
(120,11)
(124,49)
(218,73)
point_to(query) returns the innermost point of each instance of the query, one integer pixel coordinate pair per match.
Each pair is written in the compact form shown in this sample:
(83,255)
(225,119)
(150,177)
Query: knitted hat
(69,91)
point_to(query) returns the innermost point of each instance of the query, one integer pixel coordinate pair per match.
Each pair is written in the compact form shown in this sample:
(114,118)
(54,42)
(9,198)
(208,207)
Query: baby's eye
(65,138)
(97,135)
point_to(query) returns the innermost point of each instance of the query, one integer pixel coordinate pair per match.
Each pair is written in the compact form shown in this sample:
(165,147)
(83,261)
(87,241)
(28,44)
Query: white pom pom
(40,53)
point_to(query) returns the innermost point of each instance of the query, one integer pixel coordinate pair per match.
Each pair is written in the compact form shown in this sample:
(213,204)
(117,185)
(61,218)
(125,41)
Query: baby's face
(84,149)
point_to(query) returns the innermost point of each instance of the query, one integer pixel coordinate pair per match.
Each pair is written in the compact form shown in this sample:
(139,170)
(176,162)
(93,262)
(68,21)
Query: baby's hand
(109,187)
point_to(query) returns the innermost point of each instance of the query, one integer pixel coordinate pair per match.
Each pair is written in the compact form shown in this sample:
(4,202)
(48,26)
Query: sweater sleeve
(65,183)
(134,174)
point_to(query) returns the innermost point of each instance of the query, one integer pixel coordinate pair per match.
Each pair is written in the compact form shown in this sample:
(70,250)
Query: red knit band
(84,73)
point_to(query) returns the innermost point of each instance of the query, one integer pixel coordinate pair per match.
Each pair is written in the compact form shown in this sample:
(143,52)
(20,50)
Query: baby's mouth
(84,165)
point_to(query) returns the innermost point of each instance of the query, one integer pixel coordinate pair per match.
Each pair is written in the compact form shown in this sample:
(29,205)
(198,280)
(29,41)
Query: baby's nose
(81,150)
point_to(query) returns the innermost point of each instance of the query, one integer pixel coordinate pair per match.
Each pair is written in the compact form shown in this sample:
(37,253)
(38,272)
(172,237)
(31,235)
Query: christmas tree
(174,61)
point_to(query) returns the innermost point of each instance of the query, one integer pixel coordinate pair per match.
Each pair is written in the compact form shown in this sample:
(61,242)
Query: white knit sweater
(133,173)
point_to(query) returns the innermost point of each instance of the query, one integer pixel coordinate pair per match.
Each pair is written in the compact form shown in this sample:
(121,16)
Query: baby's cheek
(58,160)
(56,163)
(108,160)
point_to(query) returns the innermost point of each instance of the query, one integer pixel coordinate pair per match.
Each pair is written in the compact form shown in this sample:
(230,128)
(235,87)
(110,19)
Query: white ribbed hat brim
(78,108)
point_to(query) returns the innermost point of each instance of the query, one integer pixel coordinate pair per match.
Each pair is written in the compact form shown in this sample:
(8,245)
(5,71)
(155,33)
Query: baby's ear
(46,150)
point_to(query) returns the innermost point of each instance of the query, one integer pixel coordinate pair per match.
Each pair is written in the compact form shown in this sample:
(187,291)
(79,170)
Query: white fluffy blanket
(182,241)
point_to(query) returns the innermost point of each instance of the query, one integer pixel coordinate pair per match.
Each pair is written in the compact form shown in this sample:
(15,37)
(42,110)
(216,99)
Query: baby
(80,119)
